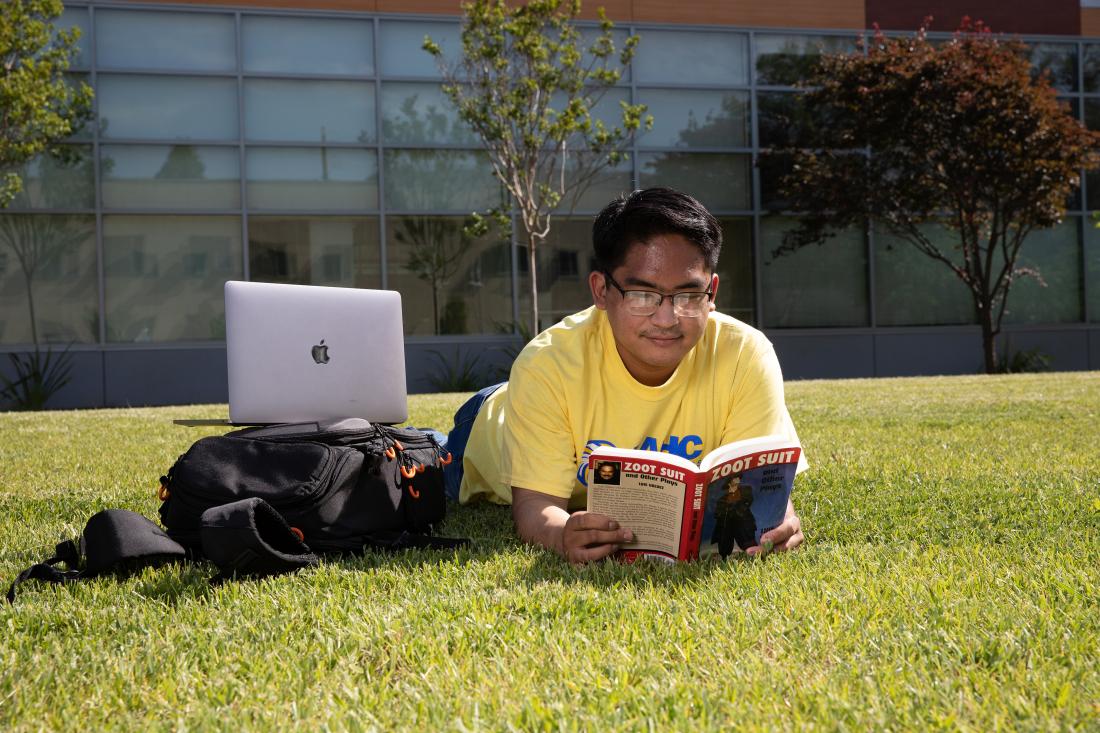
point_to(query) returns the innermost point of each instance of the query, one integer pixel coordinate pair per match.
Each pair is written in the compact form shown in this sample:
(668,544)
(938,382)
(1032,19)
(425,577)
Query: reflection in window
(564,261)
(1091,67)
(170,177)
(448,180)
(692,57)
(1059,60)
(400,51)
(336,251)
(76,18)
(1056,254)
(333,179)
(309,111)
(48,290)
(784,120)
(307,45)
(912,289)
(696,119)
(721,181)
(446,287)
(817,285)
(167,108)
(51,183)
(736,294)
(1092,270)
(785,60)
(420,114)
(129,39)
(164,276)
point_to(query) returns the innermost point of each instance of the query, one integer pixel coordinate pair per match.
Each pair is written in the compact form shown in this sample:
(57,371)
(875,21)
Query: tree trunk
(30,307)
(435,306)
(532,268)
(989,345)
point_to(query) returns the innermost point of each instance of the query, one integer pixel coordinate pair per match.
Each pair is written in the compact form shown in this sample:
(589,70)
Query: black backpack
(261,501)
(345,485)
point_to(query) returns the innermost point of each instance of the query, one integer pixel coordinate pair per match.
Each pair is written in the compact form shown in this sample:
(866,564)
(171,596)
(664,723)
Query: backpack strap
(113,540)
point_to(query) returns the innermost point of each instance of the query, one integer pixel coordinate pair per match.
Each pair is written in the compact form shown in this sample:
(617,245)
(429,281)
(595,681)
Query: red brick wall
(1056,17)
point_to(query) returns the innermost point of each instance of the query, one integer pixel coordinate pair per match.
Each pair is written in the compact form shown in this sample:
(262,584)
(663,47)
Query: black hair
(641,215)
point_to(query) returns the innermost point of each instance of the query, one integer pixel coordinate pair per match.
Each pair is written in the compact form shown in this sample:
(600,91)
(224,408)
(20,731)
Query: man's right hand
(588,537)
(580,537)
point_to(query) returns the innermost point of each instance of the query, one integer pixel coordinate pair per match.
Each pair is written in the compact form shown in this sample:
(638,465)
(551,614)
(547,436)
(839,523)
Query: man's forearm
(539,519)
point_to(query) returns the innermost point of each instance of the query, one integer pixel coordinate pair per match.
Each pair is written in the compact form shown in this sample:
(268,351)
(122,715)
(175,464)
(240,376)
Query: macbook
(301,353)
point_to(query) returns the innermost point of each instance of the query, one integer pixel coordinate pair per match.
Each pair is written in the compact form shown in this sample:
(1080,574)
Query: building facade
(300,142)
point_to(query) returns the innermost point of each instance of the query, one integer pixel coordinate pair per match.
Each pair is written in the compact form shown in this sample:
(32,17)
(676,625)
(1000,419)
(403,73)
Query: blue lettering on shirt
(689,446)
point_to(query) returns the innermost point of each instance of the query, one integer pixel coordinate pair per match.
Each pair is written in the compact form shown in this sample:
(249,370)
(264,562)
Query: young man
(649,365)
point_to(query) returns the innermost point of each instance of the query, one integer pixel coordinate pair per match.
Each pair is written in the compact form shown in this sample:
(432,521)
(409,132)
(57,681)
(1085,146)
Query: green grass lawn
(949,580)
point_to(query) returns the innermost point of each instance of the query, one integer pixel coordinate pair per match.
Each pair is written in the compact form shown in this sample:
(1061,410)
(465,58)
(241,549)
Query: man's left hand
(786,536)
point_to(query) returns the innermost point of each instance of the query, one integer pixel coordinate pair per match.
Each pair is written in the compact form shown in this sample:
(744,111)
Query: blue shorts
(456,440)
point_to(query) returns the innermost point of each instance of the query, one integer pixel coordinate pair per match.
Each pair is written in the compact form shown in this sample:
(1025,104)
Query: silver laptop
(300,353)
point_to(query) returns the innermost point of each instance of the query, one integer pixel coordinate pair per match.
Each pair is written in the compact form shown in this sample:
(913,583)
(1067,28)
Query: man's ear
(597,283)
(714,291)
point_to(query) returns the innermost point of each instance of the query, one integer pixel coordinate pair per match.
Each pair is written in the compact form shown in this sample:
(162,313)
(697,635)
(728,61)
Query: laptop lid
(299,353)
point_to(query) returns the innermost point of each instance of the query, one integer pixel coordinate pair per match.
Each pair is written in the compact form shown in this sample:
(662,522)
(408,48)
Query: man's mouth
(662,336)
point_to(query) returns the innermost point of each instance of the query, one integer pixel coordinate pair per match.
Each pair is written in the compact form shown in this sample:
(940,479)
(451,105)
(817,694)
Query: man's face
(651,347)
(607,472)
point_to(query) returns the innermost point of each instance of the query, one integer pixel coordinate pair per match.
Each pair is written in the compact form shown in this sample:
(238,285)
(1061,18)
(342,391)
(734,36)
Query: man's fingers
(786,536)
(590,553)
(591,520)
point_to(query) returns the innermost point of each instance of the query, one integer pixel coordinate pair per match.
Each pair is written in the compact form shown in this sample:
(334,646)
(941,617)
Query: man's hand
(582,537)
(786,536)
(588,537)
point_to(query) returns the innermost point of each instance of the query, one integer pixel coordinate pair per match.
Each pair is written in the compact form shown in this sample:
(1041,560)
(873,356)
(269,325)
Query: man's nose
(666,314)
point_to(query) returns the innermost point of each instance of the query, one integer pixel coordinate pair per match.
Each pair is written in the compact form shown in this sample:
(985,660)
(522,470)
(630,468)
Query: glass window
(48,269)
(338,251)
(1091,63)
(49,183)
(77,18)
(451,283)
(607,183)
(309,111)
(1056,254)
(736,294)
(332,179)
(773,167)
(721,181)
(1059,60)
(439,180)
(696,119)
(814,286)
(589,35)
(1092,271)
(167,108)
(170,177)
(139,39)
(307,45)
(785,121)
(400,47)
(421,114)
(912,289)
(785,60)
(564,261)
(164,276)
(82,134)
(692,57)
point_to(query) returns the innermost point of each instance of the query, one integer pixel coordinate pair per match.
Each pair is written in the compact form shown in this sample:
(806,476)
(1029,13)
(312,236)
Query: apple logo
(320,353)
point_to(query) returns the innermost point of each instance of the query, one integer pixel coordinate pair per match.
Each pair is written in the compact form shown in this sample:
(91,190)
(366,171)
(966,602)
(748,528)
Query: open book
(681,511)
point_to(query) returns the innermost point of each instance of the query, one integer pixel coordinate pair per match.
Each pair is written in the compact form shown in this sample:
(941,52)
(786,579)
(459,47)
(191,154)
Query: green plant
(511,351)
(459,374)
(38,377)
(527,84)
(1023,360)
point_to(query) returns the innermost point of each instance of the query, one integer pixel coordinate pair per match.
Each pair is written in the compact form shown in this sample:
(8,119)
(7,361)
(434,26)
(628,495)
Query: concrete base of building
(125,376)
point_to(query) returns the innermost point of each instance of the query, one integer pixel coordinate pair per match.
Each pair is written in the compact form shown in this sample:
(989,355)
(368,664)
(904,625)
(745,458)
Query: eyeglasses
(646,302)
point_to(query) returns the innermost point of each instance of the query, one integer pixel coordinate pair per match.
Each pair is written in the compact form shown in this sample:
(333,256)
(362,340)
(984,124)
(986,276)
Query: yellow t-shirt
(569,392)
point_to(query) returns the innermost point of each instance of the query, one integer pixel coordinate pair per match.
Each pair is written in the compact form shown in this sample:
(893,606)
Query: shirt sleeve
(538,452)
(758,406)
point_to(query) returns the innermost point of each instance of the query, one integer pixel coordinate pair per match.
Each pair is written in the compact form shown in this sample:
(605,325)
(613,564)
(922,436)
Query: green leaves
(38,107)
(527,84)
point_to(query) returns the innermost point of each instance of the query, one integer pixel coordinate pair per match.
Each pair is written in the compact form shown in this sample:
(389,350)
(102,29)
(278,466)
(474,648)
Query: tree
(38,107)
(527,85)
(957,133)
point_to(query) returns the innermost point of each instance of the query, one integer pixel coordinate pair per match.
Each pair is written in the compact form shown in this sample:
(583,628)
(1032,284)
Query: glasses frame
(676,307)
